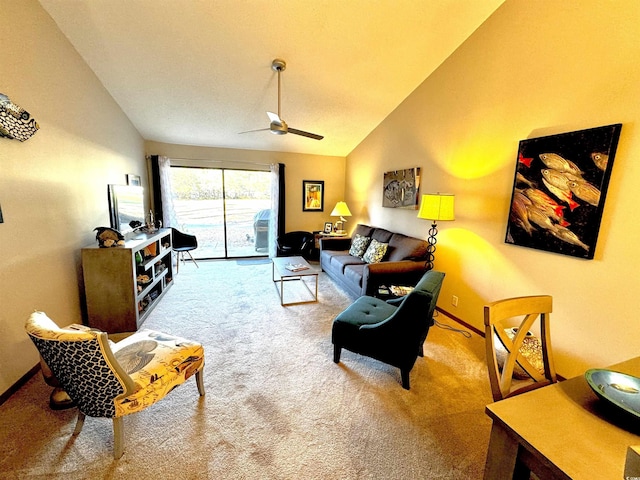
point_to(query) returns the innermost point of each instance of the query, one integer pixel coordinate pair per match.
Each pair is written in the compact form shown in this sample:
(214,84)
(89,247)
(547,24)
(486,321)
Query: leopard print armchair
(111,380)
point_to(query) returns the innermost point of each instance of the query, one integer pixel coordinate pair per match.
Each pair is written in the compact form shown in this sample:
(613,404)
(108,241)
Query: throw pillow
(359,245)
(375,251)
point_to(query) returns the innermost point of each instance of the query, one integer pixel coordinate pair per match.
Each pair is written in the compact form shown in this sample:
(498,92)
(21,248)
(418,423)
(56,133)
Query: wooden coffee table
(280,264)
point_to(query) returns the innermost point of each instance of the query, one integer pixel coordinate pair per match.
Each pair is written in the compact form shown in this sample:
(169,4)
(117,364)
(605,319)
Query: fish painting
(562,194)
(547,204)
(600,160)
(556,162)
(522,179)
(519,212)
(585,191)
(540,218)
(568,236)
(15,122)
(559,190)
(526,161)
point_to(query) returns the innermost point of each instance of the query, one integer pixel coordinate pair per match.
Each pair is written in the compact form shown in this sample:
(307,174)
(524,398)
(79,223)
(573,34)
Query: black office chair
(183,243)
(298,243)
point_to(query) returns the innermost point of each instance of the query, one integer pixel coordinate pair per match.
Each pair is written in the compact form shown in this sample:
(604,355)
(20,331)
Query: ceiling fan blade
(274,118)
(258,130)
(295,131)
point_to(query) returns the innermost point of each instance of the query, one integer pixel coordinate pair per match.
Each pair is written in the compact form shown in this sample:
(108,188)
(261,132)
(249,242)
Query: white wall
(532,69)
(53,187)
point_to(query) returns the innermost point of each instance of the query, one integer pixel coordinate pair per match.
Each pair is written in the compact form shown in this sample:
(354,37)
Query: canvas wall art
(401,188)
(559,190)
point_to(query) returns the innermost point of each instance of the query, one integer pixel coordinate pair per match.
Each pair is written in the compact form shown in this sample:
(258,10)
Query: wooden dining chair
(509,347)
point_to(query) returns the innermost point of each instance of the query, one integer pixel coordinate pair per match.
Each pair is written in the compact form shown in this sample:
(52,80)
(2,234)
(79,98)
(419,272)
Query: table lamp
(341,210)
(435,207)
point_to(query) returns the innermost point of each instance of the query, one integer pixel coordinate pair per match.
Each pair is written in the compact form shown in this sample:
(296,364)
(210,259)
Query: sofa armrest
(335,243)
(403,272)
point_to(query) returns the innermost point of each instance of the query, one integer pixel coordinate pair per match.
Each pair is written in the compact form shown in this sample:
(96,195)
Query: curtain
(276,220)
(167,209)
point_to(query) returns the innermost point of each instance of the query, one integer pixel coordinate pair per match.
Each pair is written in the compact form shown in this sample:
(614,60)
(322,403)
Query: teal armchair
(392,332)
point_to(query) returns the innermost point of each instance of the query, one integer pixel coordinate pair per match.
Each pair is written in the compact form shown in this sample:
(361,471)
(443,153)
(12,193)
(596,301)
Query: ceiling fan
(278,126)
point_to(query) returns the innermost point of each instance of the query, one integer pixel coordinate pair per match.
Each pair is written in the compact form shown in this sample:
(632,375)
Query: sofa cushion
(342,261)
(364,230)
(375,251)
(381,235)
(359,245)
(403,247)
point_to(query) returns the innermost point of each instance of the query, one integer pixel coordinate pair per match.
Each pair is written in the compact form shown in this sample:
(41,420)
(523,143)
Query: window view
(227,210)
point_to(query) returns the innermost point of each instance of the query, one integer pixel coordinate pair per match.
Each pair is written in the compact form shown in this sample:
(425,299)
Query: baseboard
(461,322)
(16,386)
(479,332)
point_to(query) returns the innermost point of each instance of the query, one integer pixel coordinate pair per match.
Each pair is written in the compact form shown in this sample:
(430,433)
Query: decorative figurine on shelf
(150,227)
(135,224)
(108,237)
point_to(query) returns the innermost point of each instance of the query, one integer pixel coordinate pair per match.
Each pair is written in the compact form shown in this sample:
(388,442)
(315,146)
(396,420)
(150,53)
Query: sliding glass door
(227,210)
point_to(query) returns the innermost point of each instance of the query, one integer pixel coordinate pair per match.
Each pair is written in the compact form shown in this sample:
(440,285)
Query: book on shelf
(296,268)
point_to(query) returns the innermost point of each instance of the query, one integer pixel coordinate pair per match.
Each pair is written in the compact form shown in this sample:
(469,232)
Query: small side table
(316,243)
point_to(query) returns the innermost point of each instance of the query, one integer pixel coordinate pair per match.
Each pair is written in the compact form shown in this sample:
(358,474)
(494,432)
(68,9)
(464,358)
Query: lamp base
(431,248)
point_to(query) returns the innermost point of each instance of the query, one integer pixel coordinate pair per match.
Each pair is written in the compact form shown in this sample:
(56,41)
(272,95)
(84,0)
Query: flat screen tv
(126,205)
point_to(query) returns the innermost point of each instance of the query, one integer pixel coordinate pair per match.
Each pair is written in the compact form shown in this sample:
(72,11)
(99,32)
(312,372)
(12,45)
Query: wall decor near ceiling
(559,190)
(312,195)
(15,121)
(133,179)
(400,188)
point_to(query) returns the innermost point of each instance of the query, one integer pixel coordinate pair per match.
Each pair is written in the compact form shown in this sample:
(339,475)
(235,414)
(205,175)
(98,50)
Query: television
(126,205)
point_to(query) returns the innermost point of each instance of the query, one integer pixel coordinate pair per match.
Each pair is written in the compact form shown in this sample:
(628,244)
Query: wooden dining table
(561,431)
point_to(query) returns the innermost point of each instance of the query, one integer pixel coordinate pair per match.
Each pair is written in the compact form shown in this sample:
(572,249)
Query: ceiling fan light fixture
(278,130)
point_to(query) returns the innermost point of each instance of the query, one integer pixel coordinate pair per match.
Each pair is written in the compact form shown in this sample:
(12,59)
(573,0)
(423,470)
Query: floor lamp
(435,207)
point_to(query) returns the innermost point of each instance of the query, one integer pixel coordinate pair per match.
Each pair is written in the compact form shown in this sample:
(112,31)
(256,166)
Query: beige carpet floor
(276,407)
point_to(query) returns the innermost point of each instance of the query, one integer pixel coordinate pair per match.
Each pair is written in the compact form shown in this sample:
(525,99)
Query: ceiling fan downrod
(279,66)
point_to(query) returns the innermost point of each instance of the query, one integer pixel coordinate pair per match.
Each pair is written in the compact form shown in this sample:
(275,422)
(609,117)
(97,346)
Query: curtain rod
(217,161)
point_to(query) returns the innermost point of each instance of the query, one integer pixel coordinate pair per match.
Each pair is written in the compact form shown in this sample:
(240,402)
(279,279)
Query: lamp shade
(437,206)
(341,210)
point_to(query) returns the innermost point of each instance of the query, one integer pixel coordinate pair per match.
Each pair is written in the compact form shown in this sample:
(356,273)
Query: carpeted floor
(276,407)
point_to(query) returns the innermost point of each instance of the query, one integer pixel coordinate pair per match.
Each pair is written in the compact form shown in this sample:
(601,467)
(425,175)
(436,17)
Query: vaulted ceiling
(198,72)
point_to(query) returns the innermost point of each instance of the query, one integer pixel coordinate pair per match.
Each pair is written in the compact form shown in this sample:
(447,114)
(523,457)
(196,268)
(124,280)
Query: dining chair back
(517,360)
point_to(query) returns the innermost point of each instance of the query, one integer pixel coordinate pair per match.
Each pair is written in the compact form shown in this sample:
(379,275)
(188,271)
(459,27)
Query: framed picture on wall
(559,190)
(312,195)
(133,179)
(400,188)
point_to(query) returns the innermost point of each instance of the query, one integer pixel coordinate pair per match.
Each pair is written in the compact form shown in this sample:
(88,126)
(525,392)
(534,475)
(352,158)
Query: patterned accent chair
(392,332)
(111,380)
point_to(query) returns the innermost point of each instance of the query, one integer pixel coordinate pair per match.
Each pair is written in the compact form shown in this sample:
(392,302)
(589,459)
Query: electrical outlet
(454,300)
